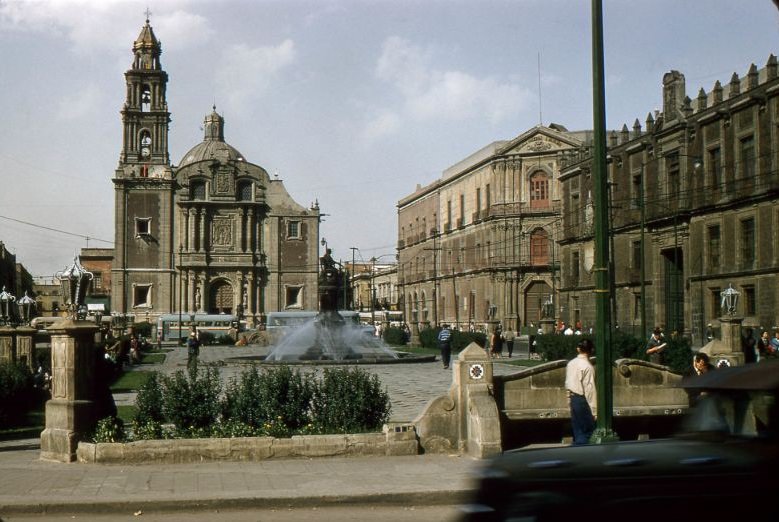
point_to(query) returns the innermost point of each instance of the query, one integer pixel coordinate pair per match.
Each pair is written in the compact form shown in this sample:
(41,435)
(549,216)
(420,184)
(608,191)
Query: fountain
(328,338)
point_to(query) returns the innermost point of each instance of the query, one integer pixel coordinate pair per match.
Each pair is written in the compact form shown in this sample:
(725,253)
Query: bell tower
(143,270)
(145,115)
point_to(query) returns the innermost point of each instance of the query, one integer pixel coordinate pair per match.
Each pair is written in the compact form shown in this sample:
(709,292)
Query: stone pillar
(547,326)
(73,410)
(25,346)
(730,348)
(7,348)
(477,412)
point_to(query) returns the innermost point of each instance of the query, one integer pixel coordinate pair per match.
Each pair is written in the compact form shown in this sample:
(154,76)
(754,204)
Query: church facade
(213,234)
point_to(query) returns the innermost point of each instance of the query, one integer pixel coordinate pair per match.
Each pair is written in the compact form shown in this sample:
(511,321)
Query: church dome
(213,145)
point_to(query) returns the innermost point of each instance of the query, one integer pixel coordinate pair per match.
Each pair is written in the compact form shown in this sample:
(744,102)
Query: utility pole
(373,297)
(435,250)
(604,378)
(351,277)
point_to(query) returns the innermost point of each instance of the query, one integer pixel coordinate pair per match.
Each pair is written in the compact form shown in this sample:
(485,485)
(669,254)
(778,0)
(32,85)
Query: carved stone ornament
(222,232)
(476,371)
(222,182)
(538,144)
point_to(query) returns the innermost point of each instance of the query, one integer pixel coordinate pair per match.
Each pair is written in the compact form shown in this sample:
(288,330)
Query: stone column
(73,410)
(7,348)
(730,348)
(25,346)
(477,412)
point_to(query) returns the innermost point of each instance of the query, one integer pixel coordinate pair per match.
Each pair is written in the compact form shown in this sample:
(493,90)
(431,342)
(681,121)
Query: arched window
(198,190)
(146,99)
(539,190)
(539,247)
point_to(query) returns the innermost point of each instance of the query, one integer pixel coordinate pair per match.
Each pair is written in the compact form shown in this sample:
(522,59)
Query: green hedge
(429,339)
(678,354)
(394,336)
(17,393)
(274,401)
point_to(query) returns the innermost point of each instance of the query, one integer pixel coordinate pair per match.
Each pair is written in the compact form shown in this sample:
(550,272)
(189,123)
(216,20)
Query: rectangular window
(748,243)
(574,268)
(448,225)
(714,246)
(747,157)
(97,282)
(142,227)
(636,250)
(478,201)
(141,296)
(715,302)
(293,296)
(575,204)
(487,201)
(636,191)
(637,306)
(715,169)
(750,300)
(673,177)
(293,229)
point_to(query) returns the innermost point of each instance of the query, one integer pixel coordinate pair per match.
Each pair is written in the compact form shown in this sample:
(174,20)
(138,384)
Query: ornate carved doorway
(221,298)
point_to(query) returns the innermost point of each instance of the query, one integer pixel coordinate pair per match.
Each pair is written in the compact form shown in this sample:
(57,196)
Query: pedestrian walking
(445,345)
(582,399)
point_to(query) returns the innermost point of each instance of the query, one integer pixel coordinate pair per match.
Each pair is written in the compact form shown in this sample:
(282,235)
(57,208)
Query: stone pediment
(539,140)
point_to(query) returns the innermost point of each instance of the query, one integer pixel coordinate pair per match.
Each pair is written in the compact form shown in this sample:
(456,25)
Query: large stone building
(477,247)
(215,233)
(694,210)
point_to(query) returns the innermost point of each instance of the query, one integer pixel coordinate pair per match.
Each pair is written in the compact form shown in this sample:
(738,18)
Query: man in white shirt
(580,386)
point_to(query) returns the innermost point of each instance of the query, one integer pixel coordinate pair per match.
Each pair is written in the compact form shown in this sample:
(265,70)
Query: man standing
(509,336)
(445,345)
(193,348)
(656,346)
(580,385)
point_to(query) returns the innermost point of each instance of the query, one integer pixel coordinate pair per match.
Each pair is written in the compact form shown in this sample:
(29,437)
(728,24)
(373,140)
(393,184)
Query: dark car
(723,466)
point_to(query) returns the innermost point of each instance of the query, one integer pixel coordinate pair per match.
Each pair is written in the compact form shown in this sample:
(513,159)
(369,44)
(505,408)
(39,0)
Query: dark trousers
(446,353)
(510,347)
(582,421)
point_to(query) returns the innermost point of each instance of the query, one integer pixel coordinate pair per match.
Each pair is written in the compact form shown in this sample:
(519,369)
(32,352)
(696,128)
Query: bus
(279,323)
(169,328)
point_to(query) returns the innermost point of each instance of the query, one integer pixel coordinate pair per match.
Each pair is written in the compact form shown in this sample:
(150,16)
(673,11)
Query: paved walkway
(29,485)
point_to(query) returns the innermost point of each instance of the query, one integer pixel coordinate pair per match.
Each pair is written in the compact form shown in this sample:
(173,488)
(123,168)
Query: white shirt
(580,379)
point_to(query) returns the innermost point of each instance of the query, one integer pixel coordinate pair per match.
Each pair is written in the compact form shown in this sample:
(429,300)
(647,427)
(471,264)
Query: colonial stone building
(477,247)
(214,234)
(693,210)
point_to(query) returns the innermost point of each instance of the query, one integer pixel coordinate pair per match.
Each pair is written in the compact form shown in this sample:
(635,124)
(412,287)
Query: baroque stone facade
(214,234)
(477,247)
(693,210)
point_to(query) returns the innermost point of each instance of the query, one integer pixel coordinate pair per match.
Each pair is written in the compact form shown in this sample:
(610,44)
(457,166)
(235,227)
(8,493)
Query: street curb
(417,498)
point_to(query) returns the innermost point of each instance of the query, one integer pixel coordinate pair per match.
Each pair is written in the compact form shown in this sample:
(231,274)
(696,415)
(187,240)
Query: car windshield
(738,413)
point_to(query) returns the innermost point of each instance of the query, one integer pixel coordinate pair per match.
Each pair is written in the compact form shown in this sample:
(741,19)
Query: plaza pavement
(29,485)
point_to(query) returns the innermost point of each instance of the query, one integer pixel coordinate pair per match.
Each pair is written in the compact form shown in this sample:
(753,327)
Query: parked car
(723,466)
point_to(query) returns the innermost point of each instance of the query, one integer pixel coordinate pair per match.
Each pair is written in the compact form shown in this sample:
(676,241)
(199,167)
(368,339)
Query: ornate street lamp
(729,300)
(26,305)
(74,281)
(5,306)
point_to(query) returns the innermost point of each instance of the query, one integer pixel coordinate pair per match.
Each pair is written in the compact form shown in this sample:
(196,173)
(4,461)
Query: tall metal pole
(642,254)
(604,380)
(351,277)
(373,308)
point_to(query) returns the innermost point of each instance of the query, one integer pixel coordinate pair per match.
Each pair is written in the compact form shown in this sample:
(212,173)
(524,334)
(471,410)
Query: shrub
(150,430)
(678,354)
(429,337)
(17,393)
(109,429)
(191,400)
(553,347)
(462,339)
(394,336)
(232,428)
(225,339)
(349,400)
(206,338)
(142,330)
(149,402)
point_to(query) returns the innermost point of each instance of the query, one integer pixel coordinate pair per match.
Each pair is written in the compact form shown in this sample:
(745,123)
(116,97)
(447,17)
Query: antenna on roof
(540,113)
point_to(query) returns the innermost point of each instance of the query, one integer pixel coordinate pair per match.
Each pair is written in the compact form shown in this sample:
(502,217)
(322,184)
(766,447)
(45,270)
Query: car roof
(754,376)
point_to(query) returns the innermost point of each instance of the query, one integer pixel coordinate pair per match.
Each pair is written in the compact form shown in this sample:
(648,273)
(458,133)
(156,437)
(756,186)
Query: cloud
(382,124)
(80,104)
(428,93)
(94,26)
(244,72)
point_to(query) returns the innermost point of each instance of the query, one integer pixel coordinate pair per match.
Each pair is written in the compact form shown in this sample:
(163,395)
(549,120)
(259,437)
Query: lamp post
(729,301)
(6,299)
(26,305)
(74,281)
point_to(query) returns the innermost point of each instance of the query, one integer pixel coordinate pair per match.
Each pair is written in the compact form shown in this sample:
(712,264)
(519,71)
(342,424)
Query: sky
(351,102)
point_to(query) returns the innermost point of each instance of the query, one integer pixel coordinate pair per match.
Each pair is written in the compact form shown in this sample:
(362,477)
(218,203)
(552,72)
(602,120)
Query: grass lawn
(130,381)
(420,350)
(152,358)
(126,413)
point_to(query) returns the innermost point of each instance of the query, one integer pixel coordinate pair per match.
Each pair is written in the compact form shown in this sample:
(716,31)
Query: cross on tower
(147,13)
